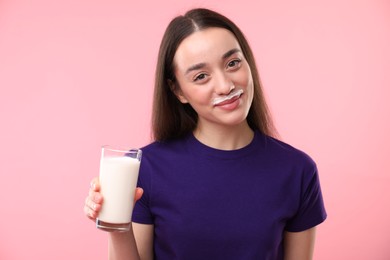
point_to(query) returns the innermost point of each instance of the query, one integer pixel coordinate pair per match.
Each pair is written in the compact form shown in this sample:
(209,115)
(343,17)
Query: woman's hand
(94,200)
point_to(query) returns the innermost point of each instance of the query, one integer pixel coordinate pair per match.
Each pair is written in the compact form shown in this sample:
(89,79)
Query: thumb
(138,193)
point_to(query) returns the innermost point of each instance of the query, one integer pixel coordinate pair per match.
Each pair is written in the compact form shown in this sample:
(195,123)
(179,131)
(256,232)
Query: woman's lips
(228,99)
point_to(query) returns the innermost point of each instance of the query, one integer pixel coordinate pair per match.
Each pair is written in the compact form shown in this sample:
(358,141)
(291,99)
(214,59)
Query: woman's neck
(225,137)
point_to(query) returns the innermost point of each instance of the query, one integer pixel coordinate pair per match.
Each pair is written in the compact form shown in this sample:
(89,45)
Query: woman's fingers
(88,210)
(94,200)
(95,185)
(95,197)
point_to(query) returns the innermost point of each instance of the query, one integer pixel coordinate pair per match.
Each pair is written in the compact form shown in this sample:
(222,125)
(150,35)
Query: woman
(216,184)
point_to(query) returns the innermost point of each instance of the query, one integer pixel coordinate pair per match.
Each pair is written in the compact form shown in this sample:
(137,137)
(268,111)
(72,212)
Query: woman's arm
(299,245)
(137,244)
(144,238)
(122,245)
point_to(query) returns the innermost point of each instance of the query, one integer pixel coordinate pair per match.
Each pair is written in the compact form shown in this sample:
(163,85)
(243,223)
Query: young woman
(216,183)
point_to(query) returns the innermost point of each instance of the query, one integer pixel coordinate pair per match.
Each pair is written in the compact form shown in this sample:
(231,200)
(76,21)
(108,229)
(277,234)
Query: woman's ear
(177,91)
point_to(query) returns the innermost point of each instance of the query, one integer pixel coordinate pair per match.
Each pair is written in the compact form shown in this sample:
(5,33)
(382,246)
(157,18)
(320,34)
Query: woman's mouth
(232,97)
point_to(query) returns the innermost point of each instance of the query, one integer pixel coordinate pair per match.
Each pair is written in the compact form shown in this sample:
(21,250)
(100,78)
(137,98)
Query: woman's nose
(223,85)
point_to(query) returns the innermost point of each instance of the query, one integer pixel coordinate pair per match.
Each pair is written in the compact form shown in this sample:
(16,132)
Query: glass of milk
(118,180)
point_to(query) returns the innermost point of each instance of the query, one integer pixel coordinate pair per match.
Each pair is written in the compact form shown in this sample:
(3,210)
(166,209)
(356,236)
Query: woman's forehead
(203,45)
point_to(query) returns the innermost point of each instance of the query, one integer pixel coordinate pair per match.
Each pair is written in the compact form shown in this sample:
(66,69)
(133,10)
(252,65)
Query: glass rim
(113,148)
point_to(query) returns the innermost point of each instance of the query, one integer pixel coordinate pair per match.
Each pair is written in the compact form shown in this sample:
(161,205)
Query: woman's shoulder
(287,151)
(167,147)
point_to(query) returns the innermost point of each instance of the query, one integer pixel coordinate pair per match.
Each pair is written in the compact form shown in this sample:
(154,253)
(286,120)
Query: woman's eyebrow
(230,53)
(202,64)
(195,67)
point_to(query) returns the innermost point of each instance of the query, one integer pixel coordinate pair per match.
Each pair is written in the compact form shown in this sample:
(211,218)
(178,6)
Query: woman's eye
(200,77)
(234,63)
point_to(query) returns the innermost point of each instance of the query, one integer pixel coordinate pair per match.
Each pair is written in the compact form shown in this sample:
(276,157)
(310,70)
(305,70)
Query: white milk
(118,180)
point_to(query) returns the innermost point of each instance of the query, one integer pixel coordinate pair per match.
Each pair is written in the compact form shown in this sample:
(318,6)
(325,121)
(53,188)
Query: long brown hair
(171,119)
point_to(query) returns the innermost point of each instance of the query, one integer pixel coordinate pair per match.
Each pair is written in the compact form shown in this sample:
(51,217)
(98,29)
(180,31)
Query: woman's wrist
(122,245)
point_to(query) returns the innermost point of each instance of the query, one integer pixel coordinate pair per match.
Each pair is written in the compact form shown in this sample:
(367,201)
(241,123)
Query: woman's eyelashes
(200,77)
(230,66)
(234,64)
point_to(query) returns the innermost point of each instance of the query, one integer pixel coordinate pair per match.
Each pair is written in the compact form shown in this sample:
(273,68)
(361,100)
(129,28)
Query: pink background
(78,74)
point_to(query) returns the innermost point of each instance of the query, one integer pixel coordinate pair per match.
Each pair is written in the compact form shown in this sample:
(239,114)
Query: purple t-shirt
(207,203)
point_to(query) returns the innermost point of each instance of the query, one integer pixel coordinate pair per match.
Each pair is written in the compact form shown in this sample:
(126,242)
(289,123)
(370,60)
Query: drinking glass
(118,180)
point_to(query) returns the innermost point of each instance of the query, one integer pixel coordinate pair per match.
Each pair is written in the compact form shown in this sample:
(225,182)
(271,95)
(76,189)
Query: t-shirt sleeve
(311,211)
(141,212)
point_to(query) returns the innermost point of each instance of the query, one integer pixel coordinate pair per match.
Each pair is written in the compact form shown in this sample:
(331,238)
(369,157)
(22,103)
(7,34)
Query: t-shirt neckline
(197,148)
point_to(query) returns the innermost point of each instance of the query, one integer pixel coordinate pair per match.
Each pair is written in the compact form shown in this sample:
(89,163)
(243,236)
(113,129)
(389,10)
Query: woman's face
(214,77)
